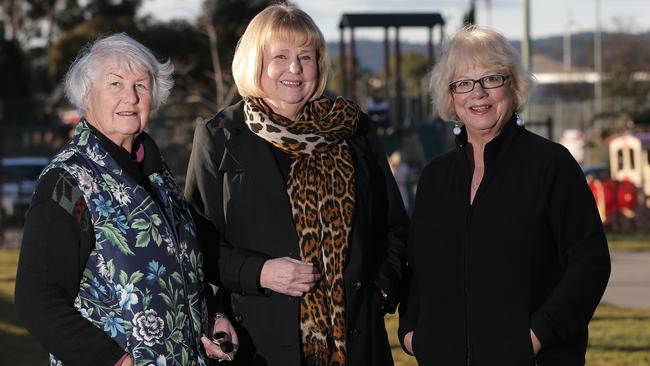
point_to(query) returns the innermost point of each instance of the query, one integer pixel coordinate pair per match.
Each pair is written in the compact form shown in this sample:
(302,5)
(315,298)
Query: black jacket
(237,189)
(529,253)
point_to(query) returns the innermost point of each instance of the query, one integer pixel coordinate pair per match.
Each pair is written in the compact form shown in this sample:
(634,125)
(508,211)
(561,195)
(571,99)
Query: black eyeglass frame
(479,81)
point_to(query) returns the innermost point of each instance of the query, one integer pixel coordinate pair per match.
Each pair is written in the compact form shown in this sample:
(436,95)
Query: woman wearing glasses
(507,253)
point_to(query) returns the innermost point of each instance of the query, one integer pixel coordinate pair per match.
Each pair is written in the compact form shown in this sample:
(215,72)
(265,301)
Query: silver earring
(456,129)
(520,121)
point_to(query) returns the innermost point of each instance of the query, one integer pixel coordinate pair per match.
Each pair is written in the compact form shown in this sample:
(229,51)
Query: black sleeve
(395,221)
(233,268)
(409,309)
(52,259)
(582,250)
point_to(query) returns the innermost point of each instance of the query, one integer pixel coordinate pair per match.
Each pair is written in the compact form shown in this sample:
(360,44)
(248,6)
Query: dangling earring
(456,129)
(520,121)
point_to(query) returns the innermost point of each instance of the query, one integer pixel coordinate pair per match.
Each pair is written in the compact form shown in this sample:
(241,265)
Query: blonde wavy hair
(276,23)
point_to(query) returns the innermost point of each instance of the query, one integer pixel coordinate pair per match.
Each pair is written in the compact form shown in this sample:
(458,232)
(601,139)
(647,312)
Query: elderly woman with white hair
(110,271)
(507,252)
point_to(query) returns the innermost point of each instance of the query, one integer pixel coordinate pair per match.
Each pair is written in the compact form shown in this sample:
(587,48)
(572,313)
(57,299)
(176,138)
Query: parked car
(18,177)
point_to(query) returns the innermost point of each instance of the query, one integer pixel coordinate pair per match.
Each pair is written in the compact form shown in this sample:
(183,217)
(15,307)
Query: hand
(128,361)
(537,345)
(288,276)
(224,343)
(408,342)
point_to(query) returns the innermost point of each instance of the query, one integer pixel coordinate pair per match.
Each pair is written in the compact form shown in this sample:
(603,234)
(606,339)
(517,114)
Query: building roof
(391,20)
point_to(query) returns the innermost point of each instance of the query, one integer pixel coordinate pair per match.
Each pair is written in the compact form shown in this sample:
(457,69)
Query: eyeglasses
(487,82)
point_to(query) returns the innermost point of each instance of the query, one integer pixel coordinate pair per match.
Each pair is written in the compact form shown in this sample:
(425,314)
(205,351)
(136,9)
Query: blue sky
(548,17)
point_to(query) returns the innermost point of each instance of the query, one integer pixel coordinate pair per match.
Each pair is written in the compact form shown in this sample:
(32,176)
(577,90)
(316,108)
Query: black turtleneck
(58,238)
(529,253)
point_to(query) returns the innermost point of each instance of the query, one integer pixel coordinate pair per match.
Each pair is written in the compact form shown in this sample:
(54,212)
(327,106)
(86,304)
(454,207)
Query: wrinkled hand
(288,276)
(226,336)
(537,345)
(128,361)
(408,342)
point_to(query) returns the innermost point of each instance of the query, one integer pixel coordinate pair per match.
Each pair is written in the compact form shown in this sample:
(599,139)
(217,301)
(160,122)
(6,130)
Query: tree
(99,17)
(621,61)
(65,48)
(14,79)
(414,67)
(469,18)
(223,22)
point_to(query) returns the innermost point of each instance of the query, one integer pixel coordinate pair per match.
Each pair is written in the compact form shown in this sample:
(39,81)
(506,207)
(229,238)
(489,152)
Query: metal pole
(598,62)
(387,80)
(342,64)
(525,42)
(567,50)
(352,84)
(567,45)
(488,5)
(398,83)
(430,47)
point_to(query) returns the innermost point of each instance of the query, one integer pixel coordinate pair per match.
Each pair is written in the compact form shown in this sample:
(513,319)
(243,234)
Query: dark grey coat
(237,190)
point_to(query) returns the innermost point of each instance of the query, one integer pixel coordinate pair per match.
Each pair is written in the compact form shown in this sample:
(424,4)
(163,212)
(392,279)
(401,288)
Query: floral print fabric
(143,282)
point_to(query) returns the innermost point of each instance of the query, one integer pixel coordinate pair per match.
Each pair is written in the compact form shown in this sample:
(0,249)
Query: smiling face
(484,111)
(289,76)
(119,103)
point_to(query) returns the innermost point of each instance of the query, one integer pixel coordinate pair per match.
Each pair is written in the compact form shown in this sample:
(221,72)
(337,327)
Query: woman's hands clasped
(289,276)
(224,343)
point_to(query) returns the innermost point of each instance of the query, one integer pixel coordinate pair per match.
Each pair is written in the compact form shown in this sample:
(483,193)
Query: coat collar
(496,151)
(152,162)
(249,153)
(231,120)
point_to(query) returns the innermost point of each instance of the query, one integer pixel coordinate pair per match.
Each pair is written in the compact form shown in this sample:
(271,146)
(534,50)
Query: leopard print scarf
(321,192)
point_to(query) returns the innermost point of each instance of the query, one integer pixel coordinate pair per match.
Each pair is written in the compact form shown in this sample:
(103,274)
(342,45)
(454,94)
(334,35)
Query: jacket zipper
(468,222)
(468,348)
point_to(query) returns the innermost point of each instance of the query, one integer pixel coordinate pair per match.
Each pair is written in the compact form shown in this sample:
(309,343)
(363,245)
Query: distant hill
(632,50)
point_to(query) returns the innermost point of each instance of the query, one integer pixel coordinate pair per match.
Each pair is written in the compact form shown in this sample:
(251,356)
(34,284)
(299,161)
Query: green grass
(18,347)
(629,242)
(618,337)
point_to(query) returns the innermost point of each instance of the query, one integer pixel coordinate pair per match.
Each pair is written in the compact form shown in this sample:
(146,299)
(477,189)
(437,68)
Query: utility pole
(598,62)
(566,53)
(488,10)
(525,42)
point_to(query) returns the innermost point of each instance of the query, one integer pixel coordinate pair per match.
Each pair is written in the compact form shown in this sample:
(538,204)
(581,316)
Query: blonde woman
(298,206)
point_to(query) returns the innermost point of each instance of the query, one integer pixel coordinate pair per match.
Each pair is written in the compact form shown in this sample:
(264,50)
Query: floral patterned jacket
(143,282)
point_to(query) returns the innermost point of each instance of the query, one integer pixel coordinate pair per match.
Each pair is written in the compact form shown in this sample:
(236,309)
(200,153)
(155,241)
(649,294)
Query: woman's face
(119,103)
(484,111)
(289,76)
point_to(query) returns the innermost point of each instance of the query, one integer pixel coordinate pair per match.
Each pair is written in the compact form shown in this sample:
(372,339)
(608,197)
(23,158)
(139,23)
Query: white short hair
(83,72)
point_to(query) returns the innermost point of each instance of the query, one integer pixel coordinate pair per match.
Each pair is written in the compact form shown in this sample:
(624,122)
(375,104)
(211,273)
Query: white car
(18,176)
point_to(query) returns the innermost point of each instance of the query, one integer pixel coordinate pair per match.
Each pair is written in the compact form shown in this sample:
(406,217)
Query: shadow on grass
(640,318)
(621,349)
(19,348)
